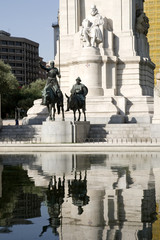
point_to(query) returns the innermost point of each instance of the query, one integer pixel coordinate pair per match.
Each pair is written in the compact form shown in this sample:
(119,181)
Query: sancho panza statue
(91,32)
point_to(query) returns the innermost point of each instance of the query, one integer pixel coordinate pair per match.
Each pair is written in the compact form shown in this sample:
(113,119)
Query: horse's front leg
(54,111)
(49,111)
(63,118)
(79,111)
(74,112)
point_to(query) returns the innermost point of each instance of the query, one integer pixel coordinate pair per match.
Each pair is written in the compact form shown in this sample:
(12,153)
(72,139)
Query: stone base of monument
(64,132)
(100,110)
(36,114)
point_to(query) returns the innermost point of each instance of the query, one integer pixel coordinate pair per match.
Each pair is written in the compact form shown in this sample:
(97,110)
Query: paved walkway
(10,122)
(77,147)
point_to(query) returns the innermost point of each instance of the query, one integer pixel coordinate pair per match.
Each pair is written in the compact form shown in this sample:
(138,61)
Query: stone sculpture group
(109,51)
(52,95)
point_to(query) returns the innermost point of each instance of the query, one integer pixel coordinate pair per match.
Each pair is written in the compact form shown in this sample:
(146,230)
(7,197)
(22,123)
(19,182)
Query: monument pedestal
(64,132)
(36,114)
(119,67)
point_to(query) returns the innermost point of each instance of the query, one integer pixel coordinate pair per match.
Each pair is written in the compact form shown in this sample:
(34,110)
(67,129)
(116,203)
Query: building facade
(152,9)
(22,55)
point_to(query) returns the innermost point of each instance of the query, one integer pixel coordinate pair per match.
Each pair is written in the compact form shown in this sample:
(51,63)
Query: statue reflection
(55,198)
(77,189)
(124,181)
(148,210)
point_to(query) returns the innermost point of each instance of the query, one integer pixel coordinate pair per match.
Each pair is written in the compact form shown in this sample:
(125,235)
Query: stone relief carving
(142,23)
(91,32)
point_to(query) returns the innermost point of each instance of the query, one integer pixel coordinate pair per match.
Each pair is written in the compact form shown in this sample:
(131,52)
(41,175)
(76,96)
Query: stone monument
(104,43)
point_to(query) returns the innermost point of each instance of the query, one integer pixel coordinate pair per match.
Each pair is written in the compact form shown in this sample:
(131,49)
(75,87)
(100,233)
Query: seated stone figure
(91,32)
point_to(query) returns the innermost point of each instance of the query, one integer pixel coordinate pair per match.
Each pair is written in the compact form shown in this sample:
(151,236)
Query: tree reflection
(77,189)
(20,199)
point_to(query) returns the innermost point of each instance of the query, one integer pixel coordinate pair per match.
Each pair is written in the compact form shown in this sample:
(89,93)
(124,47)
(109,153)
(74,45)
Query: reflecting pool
(80,196)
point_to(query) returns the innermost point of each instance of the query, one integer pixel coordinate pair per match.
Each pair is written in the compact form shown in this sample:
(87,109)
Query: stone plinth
(81,130)
(64,132)
(36,114)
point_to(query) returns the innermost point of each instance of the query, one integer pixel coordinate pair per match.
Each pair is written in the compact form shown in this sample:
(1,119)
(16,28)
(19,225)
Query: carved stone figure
(142,24)
(91,32)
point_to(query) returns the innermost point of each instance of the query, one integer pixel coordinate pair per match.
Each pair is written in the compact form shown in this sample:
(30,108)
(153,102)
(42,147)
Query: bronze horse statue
(52,100)
(74,103)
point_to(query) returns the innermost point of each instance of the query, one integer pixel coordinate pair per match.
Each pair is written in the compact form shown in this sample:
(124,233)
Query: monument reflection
(84,196)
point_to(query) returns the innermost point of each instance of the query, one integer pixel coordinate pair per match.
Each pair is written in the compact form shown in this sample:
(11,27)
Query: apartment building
(22,55)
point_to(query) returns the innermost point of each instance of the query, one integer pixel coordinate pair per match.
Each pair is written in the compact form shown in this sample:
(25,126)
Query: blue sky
(31,19)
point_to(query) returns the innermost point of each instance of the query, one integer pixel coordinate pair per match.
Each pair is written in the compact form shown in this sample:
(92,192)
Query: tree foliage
(8,81)
(30,93)
(13,96)
(8,89)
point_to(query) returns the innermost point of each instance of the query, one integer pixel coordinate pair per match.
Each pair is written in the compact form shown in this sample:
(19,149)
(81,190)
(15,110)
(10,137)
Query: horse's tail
(58,108)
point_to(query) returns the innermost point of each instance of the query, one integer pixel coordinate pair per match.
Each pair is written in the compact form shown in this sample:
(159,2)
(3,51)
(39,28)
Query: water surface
(80,196)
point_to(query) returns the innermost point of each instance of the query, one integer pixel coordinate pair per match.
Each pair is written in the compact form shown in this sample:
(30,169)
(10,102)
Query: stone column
(124,24)
(69,16)
(156,116)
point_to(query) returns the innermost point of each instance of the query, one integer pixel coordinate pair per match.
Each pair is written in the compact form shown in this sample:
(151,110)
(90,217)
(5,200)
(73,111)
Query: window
(12,64)
(10,43)
(4,57)
(18,51)
(18,44)
(18,72)
(4,50)
(11,50)
(4,42)
(11,57)
(18,58)
(18,64)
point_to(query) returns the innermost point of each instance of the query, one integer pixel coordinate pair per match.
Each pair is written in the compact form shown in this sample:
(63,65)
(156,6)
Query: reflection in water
(85,196)
(55,198)
(20,199)
(77,189)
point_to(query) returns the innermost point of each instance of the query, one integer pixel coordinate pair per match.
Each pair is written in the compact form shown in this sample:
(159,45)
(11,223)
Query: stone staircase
(120,133)
(111,133)
(21,133)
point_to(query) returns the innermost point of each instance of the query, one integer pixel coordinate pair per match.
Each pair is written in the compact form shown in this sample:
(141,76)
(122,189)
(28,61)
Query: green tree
(8,89)
(30,93)
(13,96)
(8,81)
